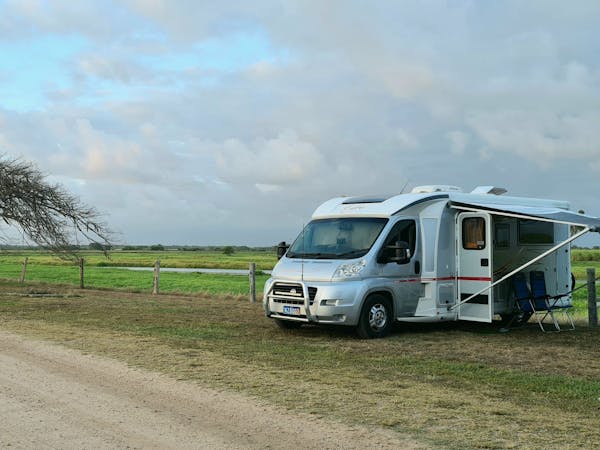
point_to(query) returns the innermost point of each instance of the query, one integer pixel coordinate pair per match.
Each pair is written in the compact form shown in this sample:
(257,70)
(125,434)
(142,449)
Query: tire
(376,318)
(288,324)
(516,318)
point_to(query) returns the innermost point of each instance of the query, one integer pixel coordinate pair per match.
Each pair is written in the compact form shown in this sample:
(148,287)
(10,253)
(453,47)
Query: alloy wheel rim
(377,317)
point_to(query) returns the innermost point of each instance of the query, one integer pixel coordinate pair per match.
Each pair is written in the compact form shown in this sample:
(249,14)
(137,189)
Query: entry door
(474,264)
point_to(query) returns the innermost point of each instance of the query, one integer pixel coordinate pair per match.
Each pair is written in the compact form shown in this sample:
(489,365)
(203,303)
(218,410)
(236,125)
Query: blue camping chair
(536,302)
(522,299)
(544,305)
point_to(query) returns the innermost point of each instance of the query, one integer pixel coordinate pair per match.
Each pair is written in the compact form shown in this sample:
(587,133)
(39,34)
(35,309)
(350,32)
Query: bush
(228,250)
(99,246)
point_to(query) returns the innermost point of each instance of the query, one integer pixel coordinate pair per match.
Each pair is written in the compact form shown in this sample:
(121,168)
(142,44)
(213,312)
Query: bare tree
(46,213)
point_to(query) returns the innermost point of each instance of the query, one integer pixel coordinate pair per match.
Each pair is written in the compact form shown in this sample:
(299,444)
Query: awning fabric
(532,212)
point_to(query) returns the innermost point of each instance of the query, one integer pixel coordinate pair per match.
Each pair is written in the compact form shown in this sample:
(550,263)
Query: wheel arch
(383,292)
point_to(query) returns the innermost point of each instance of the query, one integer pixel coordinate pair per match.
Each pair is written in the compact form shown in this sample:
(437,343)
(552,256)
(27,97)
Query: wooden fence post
(24,271)
(155,283)
(252,276)
(81,283)
(592,305)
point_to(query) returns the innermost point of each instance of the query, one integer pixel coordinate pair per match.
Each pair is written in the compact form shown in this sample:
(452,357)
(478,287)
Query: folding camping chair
(536,302)
(523,308)
(544,305)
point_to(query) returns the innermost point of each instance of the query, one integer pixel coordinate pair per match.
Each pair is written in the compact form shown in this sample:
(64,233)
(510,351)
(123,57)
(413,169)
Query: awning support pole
(527,264)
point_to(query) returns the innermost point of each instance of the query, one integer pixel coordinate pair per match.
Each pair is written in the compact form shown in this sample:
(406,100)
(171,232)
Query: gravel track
(55,397)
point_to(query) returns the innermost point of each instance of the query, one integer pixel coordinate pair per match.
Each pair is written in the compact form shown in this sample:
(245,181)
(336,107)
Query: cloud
(458,141)
(283,160)
(406,140)
(187,116)
(543,137)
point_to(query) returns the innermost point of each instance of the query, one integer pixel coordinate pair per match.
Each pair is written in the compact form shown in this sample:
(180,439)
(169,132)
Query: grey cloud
(285,159)
(369,97)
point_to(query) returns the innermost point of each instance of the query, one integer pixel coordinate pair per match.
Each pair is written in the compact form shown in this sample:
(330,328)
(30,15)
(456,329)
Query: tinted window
(502,235)
(473,233)
(535,232)
(403,231)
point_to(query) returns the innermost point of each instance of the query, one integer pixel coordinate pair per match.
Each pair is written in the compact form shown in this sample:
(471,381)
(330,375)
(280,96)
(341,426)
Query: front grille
(312,293)
(292,294)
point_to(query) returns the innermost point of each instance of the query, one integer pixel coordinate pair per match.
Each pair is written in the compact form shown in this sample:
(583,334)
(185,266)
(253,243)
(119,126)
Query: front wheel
(375,318)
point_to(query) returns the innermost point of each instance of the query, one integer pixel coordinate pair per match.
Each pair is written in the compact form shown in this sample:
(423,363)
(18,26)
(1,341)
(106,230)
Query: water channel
(195,270)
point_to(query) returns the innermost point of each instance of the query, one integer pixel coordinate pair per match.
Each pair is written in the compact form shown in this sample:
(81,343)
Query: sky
(190,122)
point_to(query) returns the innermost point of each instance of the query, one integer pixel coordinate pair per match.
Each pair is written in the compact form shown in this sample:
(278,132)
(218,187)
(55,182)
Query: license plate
(291,310)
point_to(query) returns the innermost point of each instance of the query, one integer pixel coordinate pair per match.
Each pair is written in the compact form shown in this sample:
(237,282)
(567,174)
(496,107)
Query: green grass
(579,269)
(132,280)
(458,385)
(580,254)
(100,272)
(177,259)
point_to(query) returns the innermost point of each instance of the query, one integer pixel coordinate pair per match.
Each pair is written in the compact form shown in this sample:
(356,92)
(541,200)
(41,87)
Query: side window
(404,231)
(502,238)
(535,232)
(473,233)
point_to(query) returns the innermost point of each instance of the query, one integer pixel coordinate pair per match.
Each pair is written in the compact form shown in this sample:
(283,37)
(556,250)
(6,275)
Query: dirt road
(54,397)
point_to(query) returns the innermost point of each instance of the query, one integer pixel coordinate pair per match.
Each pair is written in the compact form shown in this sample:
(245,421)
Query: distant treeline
(193,248)
(154,247)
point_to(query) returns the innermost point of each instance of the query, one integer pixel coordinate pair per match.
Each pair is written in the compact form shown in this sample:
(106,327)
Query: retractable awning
(547,214)
(557,215)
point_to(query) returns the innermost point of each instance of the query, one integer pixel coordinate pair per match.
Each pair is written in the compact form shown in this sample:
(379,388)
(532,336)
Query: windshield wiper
(353,253)
(313,255)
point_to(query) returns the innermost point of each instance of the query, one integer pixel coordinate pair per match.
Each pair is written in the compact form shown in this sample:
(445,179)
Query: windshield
(344,238)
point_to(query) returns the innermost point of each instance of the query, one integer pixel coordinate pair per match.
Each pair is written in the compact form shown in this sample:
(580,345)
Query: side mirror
(281,249)
(398,253)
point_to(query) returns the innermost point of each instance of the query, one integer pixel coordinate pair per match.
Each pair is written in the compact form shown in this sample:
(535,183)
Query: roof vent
(488,190)
(435,188)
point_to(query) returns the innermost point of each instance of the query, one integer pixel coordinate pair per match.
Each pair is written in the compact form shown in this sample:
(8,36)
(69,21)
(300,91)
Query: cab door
(474,266)
(402,278)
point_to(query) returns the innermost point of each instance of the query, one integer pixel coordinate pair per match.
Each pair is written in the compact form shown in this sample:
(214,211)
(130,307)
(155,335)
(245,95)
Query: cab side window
(403,231)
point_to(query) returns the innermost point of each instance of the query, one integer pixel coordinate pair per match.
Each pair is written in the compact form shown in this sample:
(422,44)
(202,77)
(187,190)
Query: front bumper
(315,302)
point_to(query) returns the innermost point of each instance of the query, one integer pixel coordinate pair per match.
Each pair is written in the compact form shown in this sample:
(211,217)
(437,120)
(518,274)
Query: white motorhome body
(431,255)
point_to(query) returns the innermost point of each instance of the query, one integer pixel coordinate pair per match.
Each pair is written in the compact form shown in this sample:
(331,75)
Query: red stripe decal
(429,280)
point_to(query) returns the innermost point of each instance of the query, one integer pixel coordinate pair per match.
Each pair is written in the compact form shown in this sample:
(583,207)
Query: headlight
(268,284)
(350,270)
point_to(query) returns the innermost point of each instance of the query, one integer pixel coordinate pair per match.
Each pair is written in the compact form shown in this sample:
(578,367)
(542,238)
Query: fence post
(592,305)
(24,271)
(155,283)
(252,276)
(81,263)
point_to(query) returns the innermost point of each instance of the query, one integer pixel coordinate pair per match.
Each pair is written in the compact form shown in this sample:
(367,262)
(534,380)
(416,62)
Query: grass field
(100,272)
(457,385)
(145,258)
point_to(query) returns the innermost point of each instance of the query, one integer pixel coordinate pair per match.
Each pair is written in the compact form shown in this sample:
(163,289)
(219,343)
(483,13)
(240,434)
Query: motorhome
(434,254)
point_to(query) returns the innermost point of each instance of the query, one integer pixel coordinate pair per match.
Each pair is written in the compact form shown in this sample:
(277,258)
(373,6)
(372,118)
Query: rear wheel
(515,318)
(375,318)
(288,324)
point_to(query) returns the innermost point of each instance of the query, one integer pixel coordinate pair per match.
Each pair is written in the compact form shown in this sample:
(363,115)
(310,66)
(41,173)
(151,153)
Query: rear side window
(473,233)
(535,232)
(502,238)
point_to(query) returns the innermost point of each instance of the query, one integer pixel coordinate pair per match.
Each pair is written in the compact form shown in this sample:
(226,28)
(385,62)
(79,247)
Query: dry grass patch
(448,386)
